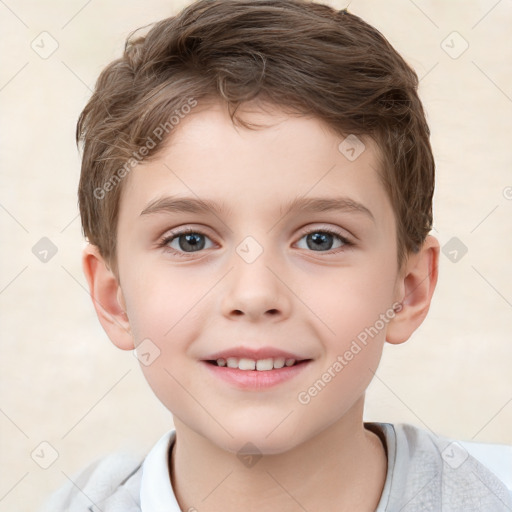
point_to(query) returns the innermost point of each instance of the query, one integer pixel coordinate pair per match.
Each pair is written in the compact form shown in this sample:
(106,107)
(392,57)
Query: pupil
(192,241)
(320,241)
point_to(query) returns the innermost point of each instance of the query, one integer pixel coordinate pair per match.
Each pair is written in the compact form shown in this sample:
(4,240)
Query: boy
(256,189)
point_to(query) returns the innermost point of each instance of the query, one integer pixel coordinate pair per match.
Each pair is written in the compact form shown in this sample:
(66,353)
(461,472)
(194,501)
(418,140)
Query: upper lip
(254,353)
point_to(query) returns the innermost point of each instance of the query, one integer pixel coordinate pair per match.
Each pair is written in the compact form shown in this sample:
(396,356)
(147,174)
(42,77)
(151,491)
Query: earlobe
(416,288)
(107,297)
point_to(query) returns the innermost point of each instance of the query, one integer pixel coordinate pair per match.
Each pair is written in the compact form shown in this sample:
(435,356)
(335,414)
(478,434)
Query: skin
(292,297)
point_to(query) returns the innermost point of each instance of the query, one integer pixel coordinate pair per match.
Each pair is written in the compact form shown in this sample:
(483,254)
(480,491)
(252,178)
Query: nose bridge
(254,289)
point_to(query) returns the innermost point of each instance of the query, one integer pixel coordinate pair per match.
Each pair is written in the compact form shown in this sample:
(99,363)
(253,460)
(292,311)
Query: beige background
(64,383)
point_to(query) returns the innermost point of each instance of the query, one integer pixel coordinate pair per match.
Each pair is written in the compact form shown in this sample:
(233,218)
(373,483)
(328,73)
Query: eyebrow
(326,204)
(181,204)
(175,204)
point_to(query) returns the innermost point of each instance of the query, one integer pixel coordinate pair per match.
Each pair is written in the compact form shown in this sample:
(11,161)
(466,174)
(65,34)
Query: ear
(107,298)
(416,285)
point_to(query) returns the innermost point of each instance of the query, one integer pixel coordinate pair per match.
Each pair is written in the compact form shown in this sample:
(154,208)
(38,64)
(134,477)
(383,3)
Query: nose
(255,291)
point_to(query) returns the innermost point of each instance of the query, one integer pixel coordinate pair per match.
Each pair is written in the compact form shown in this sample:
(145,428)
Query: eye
(186,241)
(324,240)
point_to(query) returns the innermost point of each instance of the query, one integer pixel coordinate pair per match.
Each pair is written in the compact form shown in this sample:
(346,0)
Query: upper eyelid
(334,230)
(175,232)
(172,234)
(204,231)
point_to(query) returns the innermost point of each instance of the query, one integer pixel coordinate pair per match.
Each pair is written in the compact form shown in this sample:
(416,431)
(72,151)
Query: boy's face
(254,276)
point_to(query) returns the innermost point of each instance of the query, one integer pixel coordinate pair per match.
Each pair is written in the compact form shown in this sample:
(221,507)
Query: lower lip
(254,379)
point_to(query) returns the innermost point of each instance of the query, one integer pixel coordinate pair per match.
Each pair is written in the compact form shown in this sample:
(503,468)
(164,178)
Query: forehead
(257,170)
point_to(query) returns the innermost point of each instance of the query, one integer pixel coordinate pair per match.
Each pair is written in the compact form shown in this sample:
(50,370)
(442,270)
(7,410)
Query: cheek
(166,312)
(160,302)
(356,314)
(349,300)
(165,315)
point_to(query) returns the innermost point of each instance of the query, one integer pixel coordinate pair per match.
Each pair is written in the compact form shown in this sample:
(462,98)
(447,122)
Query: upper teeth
(259,364)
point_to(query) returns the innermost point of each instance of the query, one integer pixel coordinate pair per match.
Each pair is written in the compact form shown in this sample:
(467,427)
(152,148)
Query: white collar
(156,492)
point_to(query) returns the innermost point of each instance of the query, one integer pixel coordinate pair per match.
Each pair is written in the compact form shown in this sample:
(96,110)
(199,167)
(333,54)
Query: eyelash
(168,238)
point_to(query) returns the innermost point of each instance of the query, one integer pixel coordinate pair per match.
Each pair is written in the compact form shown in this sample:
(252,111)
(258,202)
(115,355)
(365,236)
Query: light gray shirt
(425,473)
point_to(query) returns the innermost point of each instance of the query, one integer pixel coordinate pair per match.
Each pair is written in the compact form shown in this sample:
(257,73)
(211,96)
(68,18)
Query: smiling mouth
(261,365)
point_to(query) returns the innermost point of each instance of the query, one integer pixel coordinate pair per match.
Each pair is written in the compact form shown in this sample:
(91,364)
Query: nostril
(272,312)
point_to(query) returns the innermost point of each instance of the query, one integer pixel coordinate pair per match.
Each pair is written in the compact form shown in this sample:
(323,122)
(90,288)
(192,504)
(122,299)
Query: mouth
(255,375)
(256,365)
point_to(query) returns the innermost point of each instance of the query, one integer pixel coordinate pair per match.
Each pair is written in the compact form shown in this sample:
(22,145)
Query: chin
(259,435)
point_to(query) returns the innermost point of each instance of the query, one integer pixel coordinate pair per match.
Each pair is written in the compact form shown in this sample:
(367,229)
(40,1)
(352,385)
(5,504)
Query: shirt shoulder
(428,472)
(110,484)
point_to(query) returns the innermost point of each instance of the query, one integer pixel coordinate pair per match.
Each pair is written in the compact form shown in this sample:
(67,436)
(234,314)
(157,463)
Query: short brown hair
(295,54)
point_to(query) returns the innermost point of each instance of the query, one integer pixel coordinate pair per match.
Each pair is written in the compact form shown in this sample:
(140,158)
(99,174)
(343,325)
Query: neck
(343,468)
